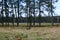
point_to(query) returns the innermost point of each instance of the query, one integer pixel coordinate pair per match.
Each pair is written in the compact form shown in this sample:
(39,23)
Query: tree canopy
(30,8)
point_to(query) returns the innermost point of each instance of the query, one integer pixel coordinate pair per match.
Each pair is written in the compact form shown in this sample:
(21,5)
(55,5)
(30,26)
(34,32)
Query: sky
(57,10)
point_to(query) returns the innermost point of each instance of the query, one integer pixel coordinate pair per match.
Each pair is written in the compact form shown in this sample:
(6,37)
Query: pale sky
(57,10)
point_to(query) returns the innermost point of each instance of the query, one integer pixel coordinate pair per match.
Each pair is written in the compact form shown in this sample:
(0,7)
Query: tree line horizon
(16,8)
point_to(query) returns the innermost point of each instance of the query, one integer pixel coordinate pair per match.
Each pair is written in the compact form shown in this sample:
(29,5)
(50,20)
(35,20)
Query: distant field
(36,24)
(35,33)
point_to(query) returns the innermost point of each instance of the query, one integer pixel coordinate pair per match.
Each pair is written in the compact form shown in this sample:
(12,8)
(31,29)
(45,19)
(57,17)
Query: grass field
(35,33)
(36,24)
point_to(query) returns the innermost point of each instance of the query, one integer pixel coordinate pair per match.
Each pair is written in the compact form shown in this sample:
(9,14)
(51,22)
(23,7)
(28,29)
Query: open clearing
(35,33)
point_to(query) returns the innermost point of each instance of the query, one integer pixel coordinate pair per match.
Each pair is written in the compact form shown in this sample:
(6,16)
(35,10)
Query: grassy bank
(35,33)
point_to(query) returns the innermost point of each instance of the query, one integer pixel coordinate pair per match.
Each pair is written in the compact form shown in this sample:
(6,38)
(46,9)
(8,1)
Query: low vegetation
(35,33)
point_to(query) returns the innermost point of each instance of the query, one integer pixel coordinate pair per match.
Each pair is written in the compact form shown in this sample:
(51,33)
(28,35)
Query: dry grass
(35,33)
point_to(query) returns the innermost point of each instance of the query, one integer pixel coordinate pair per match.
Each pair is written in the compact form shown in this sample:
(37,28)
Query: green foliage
(9,36)
(39,39)
(22,35)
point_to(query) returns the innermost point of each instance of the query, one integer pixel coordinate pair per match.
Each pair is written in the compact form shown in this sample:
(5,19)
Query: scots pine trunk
(13,14)
(2,14)
(28,14)
(34,13)
(39,14)
(52,13)
(5,4)
(29,19)
(18,13)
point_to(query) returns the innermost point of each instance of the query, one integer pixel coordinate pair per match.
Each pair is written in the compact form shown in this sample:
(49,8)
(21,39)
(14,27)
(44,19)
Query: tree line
(31,8)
